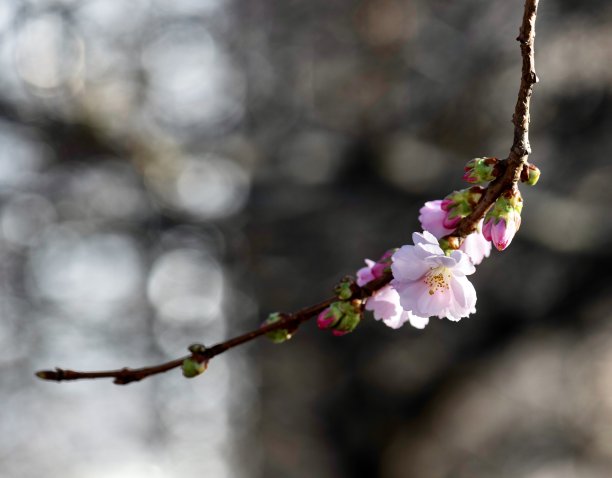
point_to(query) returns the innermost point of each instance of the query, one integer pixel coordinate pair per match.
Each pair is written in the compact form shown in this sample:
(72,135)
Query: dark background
(172,171)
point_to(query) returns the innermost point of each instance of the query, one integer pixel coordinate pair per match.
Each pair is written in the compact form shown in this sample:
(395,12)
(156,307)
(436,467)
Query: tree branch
(202,354)
(520,150)
(511,168)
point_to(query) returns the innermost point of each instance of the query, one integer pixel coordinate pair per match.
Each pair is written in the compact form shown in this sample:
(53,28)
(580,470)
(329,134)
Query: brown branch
(512,166)
(510,175)
(290,322)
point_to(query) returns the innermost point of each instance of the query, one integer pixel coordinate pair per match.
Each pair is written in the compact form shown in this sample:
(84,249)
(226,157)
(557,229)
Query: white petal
(463,264)
(433,304)
(425,238)
(464,298)
(416,321)
(409,294)
(406,265)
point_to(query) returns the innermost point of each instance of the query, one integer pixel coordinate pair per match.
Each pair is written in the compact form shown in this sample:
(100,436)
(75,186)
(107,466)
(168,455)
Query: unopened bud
(342,317)
(530,174)
(481,170)
(278,336)
(344,290)
(193,368)
(460,204)
(503,219)
(197,349)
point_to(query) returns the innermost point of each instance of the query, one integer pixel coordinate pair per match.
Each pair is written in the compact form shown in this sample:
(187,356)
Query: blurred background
(172,171)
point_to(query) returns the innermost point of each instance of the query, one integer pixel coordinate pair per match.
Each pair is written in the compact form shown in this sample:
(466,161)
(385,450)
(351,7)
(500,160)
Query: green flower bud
(530,174)
(197,348)
(481,170)
(193,368)
(344,290)
(277,336)
(460,204)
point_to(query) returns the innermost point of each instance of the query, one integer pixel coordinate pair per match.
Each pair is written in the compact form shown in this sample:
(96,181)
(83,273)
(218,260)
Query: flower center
(437,279)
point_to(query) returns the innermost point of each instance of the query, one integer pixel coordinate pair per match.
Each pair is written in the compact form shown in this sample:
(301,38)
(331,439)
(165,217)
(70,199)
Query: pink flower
(433,217)
(385,305)
(430,283)
(502,232)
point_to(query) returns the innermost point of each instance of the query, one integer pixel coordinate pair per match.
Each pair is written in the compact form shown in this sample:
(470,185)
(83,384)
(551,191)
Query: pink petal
(407,265)
(476,247)
(432,217)
(486,229)
(364,275)
(451,223)
(463,264)
(432,304)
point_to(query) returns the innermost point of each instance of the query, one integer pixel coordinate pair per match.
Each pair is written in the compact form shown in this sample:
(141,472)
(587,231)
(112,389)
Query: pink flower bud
(481,170)
(451,223)
(504,230)
(446,204)
(486,229)
(326,319)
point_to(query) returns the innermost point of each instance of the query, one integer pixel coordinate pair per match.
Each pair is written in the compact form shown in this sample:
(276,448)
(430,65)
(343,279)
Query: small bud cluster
(503,220)
(341,317)
(460,204)
(481,170)
(278,336)
(192,366)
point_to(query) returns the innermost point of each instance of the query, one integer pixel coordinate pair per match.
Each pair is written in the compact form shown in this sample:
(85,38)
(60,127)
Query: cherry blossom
(433,216)
(429,283)
(384,303)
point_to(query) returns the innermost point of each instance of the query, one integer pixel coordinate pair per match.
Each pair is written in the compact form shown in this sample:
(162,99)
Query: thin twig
(290,322)
(520,150)
(512,167)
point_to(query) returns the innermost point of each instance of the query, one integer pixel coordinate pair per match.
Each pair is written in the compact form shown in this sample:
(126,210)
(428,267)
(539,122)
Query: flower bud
(383,265)
(193,368)
(329,317)
(481,170)
(277,336)
(344,290)
(503,219)
(530,174)
(342,317)
(460,204)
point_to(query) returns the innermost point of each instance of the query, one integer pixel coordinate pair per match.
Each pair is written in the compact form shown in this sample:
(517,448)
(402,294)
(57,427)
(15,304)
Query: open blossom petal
(384,303)
(432,218)
(427,243)
(463,265)
(476,247)
(407,264)
(433,285)
(385,306)
(365,274)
